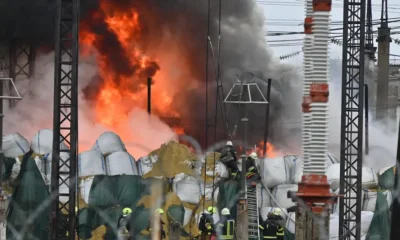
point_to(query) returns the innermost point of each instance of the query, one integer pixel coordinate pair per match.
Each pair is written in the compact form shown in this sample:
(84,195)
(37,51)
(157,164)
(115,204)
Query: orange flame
(116,99)
(271,150)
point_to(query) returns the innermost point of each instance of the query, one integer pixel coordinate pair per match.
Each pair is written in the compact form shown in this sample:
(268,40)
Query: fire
(271,150)
(126,88)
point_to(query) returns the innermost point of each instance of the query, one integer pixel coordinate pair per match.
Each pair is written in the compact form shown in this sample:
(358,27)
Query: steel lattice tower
(65,123)
(352,118)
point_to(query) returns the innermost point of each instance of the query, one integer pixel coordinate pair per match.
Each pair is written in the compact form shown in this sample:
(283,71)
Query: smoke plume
(175,33)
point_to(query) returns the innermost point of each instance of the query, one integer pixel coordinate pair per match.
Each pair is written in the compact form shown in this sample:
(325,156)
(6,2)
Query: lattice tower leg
(320,113)
(307,50)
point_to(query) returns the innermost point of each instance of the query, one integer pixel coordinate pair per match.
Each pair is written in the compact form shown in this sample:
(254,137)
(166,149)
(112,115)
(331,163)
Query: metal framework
(352,118)
(65,125)
(21,62)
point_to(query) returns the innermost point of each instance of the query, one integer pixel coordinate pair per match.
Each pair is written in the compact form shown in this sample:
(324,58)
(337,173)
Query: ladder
(253,212)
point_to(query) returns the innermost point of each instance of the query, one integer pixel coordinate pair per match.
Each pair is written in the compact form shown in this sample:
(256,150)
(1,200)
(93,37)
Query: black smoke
(243,48)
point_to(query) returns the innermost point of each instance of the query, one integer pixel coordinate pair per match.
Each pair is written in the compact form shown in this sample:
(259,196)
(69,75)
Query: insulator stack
(307,71)
(319,90)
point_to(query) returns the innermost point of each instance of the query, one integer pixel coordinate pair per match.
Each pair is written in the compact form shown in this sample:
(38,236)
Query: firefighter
(158,212)
(277,216)
(252,173)
(228,157)
(269,227)
(226,225)
(206,224)
(123,222)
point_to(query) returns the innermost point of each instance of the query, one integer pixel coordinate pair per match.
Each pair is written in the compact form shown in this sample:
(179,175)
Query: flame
(271,150)
(120,93)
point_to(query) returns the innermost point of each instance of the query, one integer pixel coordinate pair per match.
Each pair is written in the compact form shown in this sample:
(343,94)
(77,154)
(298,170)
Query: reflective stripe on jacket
(227,229)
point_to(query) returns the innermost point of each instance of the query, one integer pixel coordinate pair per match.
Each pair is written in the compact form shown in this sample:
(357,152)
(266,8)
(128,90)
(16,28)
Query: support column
(307,50)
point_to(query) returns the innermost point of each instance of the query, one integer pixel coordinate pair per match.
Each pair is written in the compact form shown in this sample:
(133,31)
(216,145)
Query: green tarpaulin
(6,168)
(380,224)
(386,179)
(29,203)
(124,190)
(228,196)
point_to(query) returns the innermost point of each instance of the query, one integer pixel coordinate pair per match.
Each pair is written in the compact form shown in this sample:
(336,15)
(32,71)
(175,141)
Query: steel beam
(65,123)
(352,119)
(21,62)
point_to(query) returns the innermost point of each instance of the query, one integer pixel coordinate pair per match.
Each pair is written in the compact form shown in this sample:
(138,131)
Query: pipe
(149,81)
(267,118)
(366,119)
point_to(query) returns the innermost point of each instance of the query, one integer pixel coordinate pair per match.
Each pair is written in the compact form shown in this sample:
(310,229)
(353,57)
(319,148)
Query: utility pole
(383,66)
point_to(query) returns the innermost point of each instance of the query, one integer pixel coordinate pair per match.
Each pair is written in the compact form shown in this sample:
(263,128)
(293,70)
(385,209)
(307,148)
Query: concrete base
(311,225)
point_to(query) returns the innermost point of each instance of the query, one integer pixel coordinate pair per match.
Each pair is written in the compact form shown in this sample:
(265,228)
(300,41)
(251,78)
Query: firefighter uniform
(228,157)
(226,226)
(123,221)
(269,229)
(206,224)
(277,217)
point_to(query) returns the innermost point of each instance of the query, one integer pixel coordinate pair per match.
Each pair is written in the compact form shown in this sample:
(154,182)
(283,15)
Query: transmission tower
(65,123)
(352,119)
(382,87)
(370,50)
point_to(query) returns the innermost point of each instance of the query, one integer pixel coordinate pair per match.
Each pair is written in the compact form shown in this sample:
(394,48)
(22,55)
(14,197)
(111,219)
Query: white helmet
(225,211)
(229,143)
(277,211)
(253,155)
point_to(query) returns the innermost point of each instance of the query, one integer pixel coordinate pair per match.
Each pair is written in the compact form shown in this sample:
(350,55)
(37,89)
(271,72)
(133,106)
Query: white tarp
(15,145)
(108,143)
(369,178)
(265,210)
(91,163)
(187,216)
(220,171)
(331,159)
(296,167)
(370,197)
(290,222)
(276,171)
(366,219)
(121,163)
(42,142)
(382,170)
(85,186)
(145,164)
(209,193)
(264,197)
(15,169)
(333,175)
(187,188)
(280,194)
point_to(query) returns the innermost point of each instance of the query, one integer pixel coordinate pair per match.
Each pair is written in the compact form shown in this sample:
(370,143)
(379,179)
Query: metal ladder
(253,212)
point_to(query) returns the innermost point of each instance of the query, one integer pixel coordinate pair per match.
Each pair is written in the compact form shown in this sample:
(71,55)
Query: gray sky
(288,15)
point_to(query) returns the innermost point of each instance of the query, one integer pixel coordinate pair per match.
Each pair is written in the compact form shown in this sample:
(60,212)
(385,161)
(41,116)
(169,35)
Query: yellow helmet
(277,211)
(159,211)
(211,210)
(126,211)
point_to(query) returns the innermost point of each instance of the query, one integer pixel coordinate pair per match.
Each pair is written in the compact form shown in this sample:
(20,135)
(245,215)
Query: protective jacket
(280,234)
(228,157)
(226,227)
(269,229)
(228,154)
(206,224)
